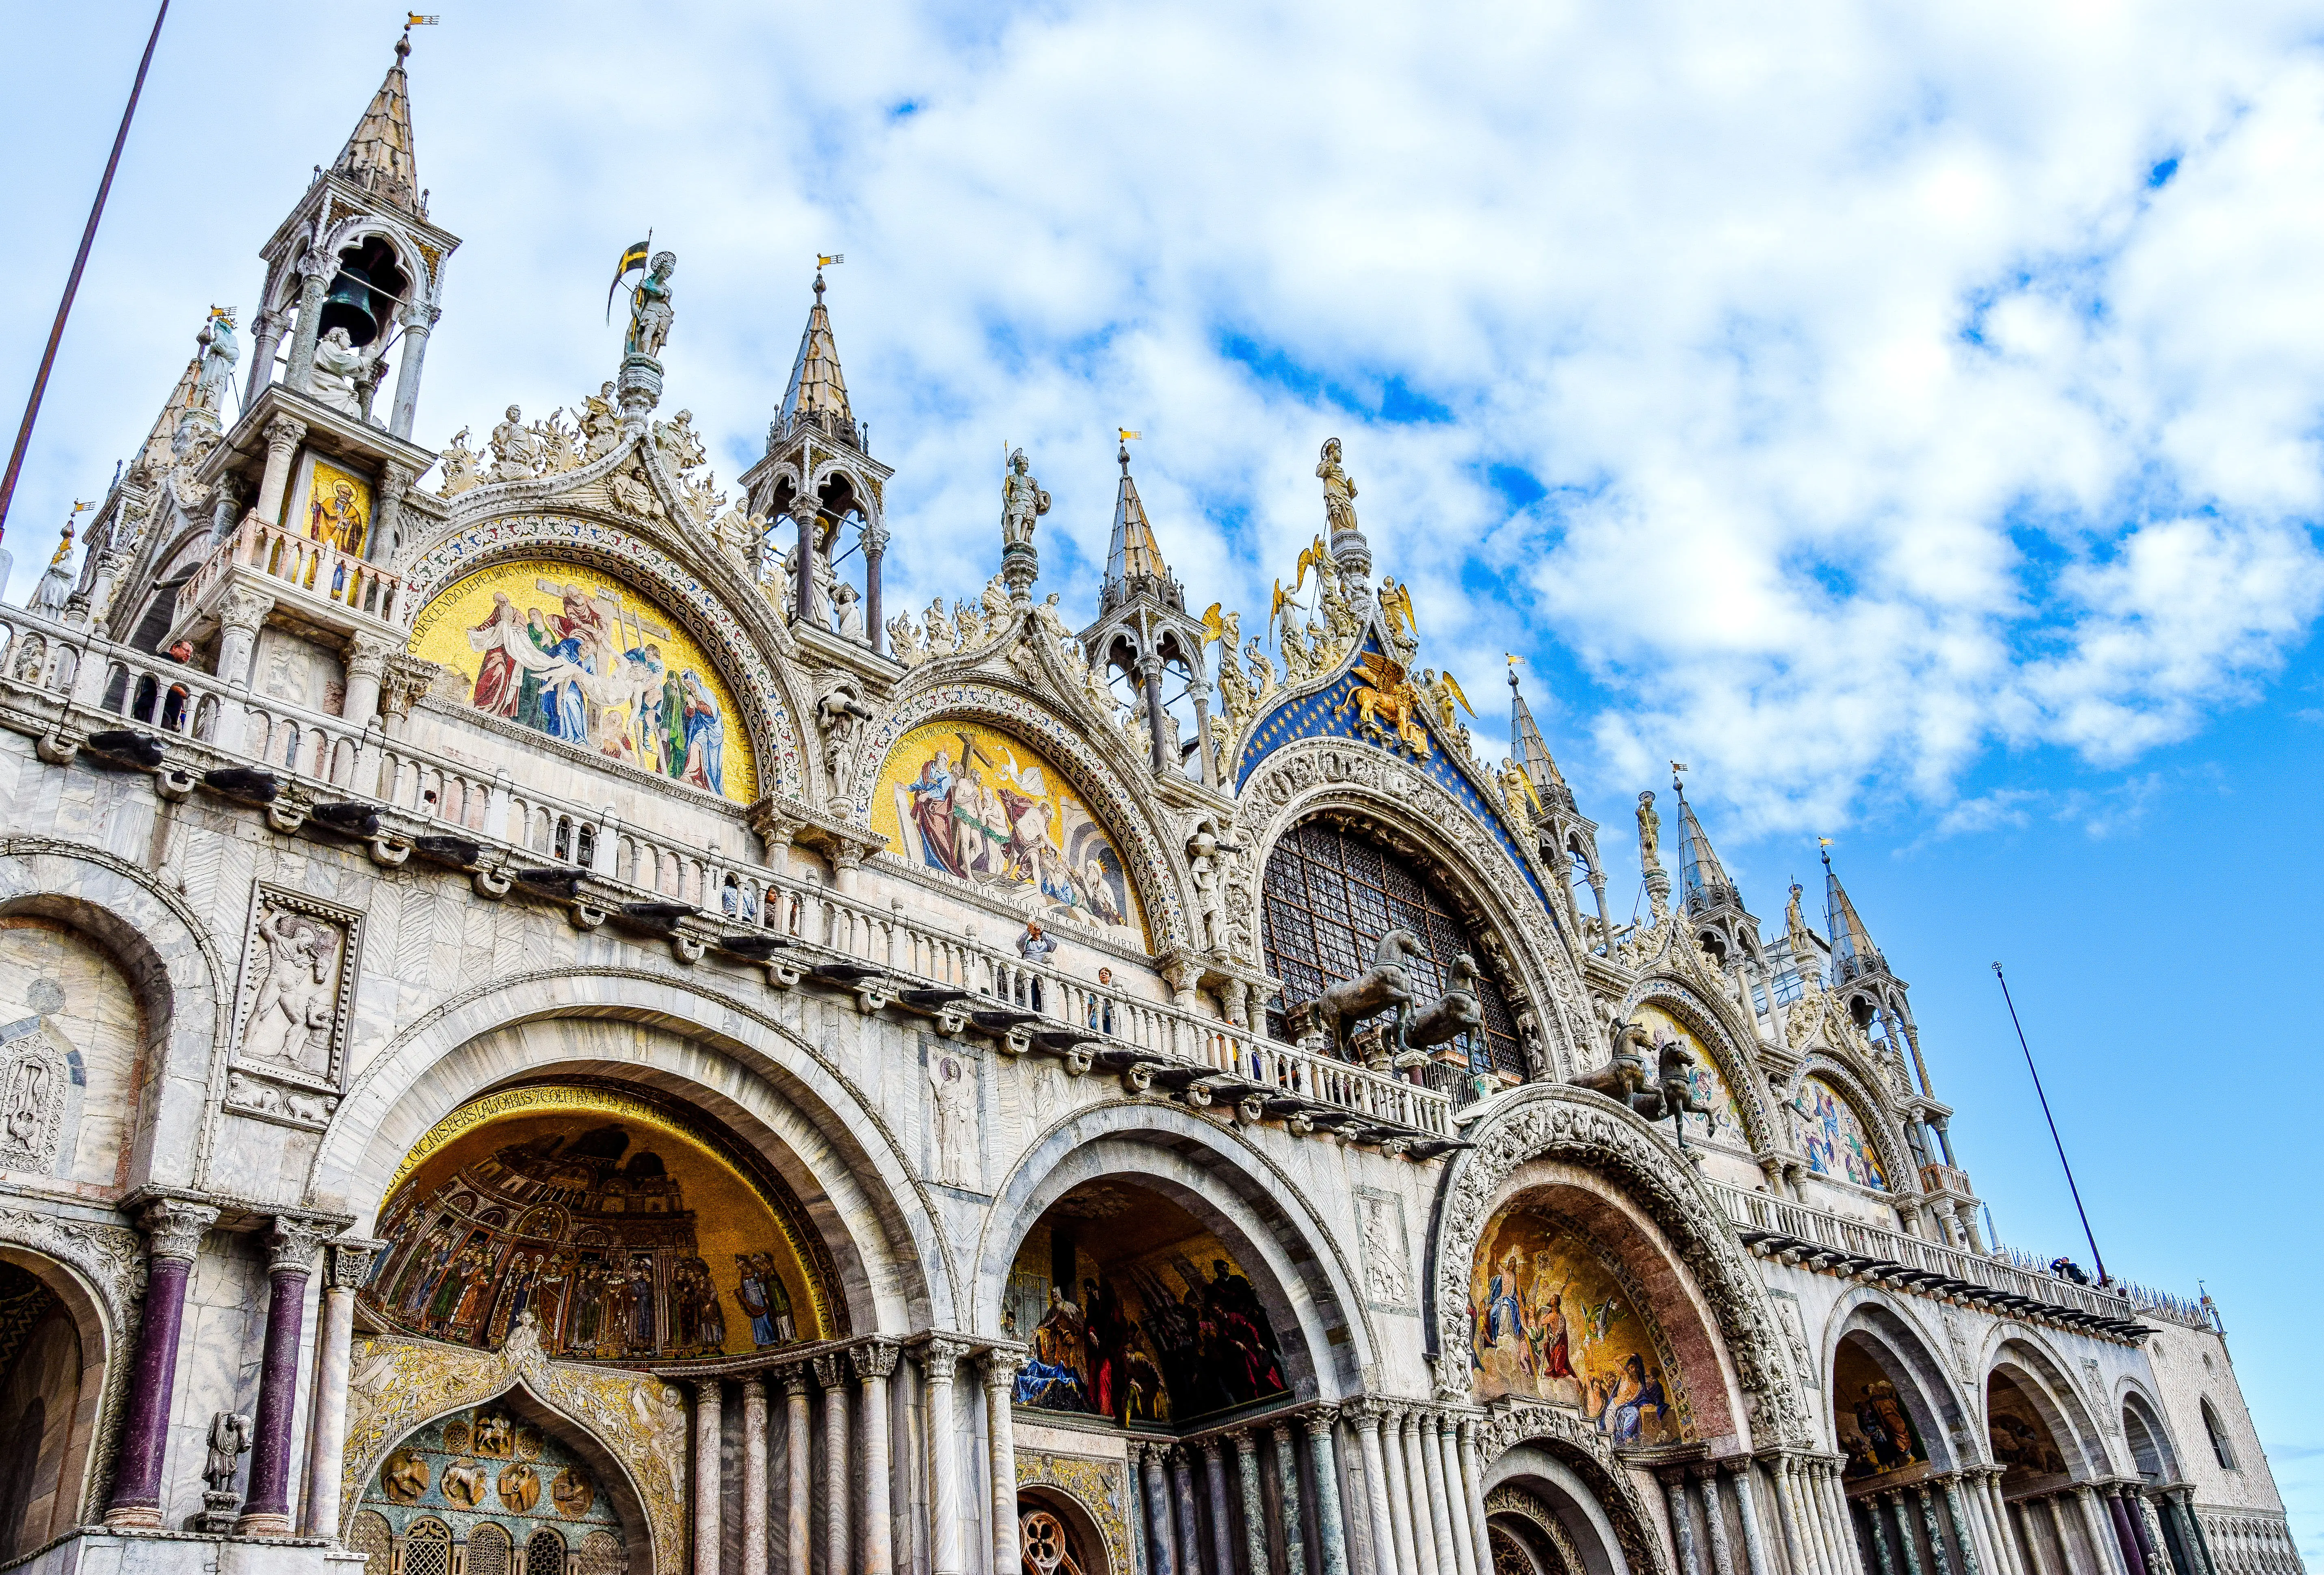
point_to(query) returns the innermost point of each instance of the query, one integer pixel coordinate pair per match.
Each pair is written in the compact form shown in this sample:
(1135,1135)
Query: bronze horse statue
(1385,986)
(1668,1092)
(1456,1012)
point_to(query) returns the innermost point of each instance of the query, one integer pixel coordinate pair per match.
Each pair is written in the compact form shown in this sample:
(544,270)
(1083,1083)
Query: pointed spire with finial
(378,156)
(817,391)
(1703,884)
(1133,560)
(1852,950)
(1548,783)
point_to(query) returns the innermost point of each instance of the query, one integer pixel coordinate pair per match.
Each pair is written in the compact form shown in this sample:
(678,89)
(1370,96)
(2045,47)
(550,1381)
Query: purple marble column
(173,1234)
(2133,1554)
(290,1258)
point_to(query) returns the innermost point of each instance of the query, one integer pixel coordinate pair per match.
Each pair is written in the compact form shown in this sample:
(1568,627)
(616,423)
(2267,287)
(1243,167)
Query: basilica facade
(549,1028)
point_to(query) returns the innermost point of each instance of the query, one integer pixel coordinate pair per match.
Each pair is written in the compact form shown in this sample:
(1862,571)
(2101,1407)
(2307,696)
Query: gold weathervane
(822,262)
(413,19)
(1127,435)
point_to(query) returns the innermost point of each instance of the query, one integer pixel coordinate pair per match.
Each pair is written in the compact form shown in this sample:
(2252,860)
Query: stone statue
(849,606)
(940,634)
(952,1082)
(601,422)
(1517,793)
(55,588)
(649,309)
(339,366)
(229,1441)
(1650,833)
(219,352)
(681,445)
(459,465)
(1052,622)
(1386,986)
(517,452)
(1338,492)
(1022,502)
(1458,1012)
(1668,1091)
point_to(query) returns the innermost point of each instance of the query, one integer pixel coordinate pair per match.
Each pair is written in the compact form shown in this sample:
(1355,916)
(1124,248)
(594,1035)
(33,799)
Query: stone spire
(817,392)
(1853,954)
(1548,782)
(1703,884)
(1133,561)
(378,155)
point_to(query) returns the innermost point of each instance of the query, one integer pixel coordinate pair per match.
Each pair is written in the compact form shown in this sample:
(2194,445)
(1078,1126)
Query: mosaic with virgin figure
(1549,1319)
(619,1251)
(1148,1336)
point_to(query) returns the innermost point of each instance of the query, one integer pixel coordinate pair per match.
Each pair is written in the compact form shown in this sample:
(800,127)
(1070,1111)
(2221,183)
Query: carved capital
(243,609)
(795,1382)
(874,538)
(367,656)
(351,1261)
(406,679)
(284,433)
(876,1360)
(941,1356)
(830,1371)
(174,1228)
(395,479)
(1246,1441)
(291,1245)
(1000,1367)
(1319,1421)
(417,318)
(1366,1413)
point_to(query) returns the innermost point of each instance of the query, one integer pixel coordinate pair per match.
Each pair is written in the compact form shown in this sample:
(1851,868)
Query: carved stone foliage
(1550,1122)
(774,734)
(397,1385)
(1123,807)
(295,1007)
(1298,780)
(109,1258)
(1099,1487)
(1580,1445)
(36,1066)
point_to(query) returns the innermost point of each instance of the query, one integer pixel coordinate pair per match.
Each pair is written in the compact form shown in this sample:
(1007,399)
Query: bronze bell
(348,306)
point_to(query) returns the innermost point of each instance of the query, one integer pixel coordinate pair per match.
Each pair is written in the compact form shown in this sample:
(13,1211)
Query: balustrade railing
(1764,1212)
(121,687)
(302,561)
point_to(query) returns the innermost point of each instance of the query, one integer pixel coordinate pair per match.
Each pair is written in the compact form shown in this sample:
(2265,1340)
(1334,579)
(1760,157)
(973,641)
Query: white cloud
(1884,413)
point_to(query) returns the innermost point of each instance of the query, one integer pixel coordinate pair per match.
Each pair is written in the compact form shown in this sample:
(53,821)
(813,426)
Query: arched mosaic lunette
(774,731)
(1131,821)
(1895,1154)
(1711,1025)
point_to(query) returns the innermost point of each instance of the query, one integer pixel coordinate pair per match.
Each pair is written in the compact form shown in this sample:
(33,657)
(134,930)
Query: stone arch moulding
(174,969)
(2136,1402)
(1226,1185)
(1301,779)
(1713,1027)
(2021,1356)
(770,708)
(1139,825)
(1871,1101)
(1067,1485)
(97,1272)
(1537,1447)
(1554,1121)
(1937,1405)
(630,1429)
(851,1171)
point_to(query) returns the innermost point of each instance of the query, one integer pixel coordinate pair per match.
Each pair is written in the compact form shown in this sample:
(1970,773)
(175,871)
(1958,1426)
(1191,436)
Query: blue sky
(1907,415)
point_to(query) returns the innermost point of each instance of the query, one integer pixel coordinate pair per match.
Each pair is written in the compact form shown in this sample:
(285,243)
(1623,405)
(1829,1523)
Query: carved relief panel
(294,1007)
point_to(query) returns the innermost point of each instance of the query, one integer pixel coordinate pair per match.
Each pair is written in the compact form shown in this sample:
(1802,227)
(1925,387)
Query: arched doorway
(1894,1417)
(2042,1462)
(489,1490)
(48,1385)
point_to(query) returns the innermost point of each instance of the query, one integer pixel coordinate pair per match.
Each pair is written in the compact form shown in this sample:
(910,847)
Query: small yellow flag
(413,19)
(1127,434)
(822,261)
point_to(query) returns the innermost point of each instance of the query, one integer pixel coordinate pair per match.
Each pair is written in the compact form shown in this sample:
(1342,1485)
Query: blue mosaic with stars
(1330,713)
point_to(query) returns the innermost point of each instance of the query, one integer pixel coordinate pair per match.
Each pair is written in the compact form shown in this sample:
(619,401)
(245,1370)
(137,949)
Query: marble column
(289,1261)
(873,536)
(1746,1509)
(265,335)
(1938,1559)
(1440,1502)
(419,320)
(838,1479)
(1322,1457)
(1797,1539)
(1190,1516)
(1001,1426)
(1215,1474)
(2149,1534)
(2133,1554)
(1254,1502)
(1472,1489)
(1286,1472)
(1908,1544)
(173,1234)
(1384,1484)
(1161,1559)
(1986,1495)
(2057,1513)
(709,1417)
(349,1263)
(315,271)
(1681,1523)
(1714,1520)
(2190,1534)
(798,1491)
(1448,1451)
(2099,1530)
(1425,1528)
(754,1474)
(283,434)
(1964,1530)
(1880,1536)
(939,1358)
(1846,1558)
(875,1364)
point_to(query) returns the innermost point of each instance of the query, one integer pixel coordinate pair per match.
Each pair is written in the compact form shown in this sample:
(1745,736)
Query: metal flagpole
(72,281)
(2097,1256)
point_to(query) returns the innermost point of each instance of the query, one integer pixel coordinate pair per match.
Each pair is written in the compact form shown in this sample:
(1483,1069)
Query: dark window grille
(1329,895)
